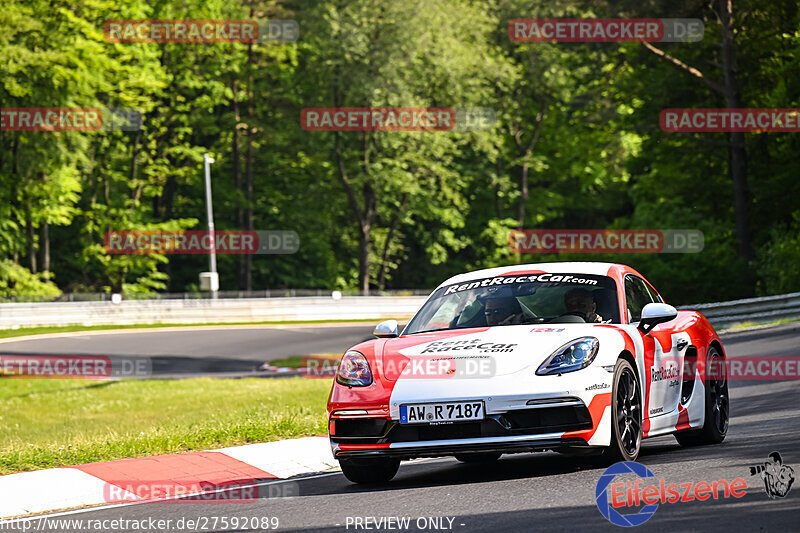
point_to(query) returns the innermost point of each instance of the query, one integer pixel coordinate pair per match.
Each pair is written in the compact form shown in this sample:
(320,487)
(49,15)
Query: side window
(637,296)
(654,297)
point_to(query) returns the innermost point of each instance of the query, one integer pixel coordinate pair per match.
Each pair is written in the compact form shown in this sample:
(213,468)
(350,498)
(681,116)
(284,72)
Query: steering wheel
(574,313)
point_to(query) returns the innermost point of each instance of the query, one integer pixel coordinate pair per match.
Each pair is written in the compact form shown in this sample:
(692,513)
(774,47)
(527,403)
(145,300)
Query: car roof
(614,270)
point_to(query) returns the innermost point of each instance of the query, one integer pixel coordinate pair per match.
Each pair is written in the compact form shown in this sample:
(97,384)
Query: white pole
(212,258)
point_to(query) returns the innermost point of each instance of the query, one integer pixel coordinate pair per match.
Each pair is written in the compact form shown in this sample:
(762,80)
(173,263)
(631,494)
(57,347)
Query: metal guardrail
(223,295)
(22,315)
(755,310)
(400,305)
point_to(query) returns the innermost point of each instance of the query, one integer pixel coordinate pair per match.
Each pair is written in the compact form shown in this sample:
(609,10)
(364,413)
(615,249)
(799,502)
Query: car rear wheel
(369,471)
(626,417)
(717,405)
(486,457)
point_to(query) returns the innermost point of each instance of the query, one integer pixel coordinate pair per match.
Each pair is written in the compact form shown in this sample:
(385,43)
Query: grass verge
(50,423)
(297,361)
(750,325)
(21,332)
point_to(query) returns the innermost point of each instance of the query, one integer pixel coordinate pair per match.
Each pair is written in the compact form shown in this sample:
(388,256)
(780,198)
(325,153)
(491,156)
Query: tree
(730,90)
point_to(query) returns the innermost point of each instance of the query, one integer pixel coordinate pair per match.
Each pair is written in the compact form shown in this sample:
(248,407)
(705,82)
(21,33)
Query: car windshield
(520,299)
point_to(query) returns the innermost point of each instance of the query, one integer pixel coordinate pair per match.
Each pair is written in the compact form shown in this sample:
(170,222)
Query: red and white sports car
(583,358)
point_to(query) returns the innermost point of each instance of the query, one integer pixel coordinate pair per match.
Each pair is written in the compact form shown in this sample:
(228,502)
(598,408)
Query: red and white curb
(148,478)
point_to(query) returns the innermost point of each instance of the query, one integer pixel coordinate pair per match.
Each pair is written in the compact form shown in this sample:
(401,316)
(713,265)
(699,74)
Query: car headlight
(572,356)
(354,370)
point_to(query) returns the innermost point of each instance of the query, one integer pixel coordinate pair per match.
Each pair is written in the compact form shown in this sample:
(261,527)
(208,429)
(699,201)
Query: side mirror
(387,328)
(654,314)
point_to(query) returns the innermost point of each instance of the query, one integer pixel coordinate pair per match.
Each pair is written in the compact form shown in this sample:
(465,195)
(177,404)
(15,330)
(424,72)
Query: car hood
(485,352)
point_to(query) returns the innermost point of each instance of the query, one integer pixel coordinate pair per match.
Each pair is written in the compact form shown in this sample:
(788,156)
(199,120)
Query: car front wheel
(626,416)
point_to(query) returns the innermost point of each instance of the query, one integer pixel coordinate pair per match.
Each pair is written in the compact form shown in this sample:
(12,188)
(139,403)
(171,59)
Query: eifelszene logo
(606,507)
(648,492)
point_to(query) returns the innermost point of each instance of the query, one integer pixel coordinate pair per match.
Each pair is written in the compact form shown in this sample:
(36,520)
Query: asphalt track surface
(539,492)
(190,352)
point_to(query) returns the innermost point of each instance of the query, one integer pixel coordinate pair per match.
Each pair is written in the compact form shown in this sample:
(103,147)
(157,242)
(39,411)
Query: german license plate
(427,413)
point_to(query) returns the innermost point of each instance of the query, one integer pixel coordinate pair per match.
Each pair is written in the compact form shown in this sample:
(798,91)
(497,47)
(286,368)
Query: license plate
(426,413)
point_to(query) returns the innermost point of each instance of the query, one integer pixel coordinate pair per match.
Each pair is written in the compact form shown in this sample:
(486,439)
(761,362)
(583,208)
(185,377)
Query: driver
(502,311)
(580,302)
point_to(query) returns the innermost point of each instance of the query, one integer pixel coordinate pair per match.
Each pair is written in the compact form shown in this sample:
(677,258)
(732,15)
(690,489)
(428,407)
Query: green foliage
(580,121)
(16,280)
(779,260)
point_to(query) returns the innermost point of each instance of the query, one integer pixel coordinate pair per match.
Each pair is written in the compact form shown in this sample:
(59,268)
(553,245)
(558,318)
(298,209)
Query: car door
(662,367)
(681,341)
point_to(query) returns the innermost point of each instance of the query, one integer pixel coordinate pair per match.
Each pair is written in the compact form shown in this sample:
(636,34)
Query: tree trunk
(389,235)
(31,235)
(168,197)
(134,150)
(248,269)
(137,192)
(363,259)
(44,237)
(736,147)
(370,212)
(525,153)
(248,171)
(737,154)
(498,204)
(45,245)
(364,217)
(237,184)
(523,195)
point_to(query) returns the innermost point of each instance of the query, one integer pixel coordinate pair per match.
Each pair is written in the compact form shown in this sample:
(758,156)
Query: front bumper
(521,430)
